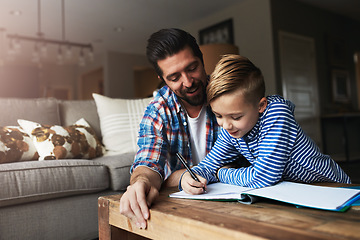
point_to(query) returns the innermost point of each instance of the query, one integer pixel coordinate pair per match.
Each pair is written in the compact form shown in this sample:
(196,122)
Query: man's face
(185,75)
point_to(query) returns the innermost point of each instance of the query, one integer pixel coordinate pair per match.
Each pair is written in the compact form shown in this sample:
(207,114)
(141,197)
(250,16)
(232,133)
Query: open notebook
(304,195)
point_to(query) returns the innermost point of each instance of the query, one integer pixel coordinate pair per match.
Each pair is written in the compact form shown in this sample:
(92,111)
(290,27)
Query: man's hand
(139,196)
(191,186)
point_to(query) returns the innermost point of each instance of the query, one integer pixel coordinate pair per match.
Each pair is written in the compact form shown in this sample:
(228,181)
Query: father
(177,120)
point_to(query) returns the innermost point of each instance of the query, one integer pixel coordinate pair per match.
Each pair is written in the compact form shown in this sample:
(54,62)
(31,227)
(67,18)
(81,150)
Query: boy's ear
(262,105)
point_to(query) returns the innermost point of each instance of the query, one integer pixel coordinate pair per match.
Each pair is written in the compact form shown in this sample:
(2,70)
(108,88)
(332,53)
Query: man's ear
(262,105)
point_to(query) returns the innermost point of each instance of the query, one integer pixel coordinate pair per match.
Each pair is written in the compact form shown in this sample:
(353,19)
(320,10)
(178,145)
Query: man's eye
(218,116)
(174,78)
(192,68)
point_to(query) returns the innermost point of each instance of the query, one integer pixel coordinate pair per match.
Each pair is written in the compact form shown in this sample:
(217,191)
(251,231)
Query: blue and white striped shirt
(277,149)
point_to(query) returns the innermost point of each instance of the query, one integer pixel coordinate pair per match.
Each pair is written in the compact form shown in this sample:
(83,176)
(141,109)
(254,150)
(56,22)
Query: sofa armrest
(119,168)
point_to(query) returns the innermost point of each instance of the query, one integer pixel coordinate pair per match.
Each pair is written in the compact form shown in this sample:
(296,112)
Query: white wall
(60,76)
(252,34)
(119,73)
(19,81)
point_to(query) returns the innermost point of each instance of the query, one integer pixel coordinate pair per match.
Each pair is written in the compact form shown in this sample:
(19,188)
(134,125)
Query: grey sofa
(56,199)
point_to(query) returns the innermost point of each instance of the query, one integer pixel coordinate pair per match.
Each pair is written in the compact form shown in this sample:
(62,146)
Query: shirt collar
(178,106)
(253,132)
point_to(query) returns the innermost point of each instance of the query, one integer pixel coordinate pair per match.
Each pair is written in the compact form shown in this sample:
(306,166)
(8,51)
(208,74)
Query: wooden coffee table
(172,218)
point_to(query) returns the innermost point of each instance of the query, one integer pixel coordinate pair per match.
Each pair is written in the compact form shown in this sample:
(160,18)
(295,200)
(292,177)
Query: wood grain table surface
(172,218)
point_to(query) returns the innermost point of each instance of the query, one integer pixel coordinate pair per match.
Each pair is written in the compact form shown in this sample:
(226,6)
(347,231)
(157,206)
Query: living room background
(256,27)
(256,33)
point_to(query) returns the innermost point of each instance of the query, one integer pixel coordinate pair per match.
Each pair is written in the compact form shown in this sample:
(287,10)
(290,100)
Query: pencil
(182,159)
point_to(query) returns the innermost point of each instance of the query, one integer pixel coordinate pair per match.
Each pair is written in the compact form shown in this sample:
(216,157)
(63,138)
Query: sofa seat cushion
(24,182)
(119,168)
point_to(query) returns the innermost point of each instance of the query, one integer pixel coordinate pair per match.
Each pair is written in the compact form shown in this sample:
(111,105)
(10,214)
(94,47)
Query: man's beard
(196,100)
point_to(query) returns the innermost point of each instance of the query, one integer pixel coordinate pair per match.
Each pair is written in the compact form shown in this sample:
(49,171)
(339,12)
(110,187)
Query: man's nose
(187,81)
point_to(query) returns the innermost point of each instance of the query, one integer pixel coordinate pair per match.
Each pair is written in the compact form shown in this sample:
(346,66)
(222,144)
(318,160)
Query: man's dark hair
(168,42)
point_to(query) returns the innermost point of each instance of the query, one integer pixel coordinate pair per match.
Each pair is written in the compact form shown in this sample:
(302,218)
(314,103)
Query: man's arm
(143,189)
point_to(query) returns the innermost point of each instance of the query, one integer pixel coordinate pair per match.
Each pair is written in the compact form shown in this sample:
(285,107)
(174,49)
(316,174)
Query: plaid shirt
(164,131)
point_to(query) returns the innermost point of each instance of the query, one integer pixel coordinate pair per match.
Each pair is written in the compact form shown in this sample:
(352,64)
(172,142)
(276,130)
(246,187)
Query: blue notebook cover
(357,202)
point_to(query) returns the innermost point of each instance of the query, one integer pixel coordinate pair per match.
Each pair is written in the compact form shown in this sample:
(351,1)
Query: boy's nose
(227,125)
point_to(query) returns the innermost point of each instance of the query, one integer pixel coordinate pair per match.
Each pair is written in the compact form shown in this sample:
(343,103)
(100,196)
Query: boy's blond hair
(234,72)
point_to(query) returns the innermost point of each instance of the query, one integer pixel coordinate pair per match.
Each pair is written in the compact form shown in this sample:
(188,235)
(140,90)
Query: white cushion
(119,122)
(58,142)
(16,145)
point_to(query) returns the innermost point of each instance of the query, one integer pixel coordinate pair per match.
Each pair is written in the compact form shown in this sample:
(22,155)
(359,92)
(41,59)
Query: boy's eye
(236,118)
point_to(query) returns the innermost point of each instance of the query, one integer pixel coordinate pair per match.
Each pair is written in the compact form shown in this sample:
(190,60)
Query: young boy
(262,129)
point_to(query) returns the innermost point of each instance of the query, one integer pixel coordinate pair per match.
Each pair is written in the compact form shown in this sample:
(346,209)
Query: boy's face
(236,115)
(185,75)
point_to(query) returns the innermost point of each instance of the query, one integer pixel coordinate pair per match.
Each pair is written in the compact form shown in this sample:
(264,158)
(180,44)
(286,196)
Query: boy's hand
(191,186)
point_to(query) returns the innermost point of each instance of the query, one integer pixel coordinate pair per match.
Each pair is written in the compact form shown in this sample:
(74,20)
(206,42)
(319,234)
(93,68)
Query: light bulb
(68,52)
(43,49)
(81,58)
(60,58)
(91,55)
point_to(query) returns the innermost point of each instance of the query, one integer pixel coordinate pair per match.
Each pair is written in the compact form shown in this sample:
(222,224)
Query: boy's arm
(223,152)
(276,139)
(173,179)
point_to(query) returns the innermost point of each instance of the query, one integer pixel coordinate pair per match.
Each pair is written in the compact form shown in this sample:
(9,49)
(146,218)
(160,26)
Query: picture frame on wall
(219,33)
(341,86)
